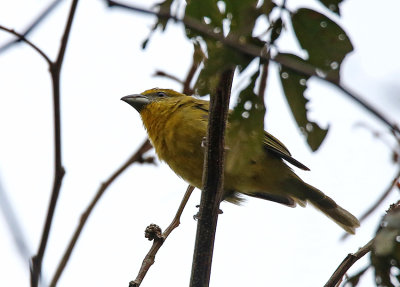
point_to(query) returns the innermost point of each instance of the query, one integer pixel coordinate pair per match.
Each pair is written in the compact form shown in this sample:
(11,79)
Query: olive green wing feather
(273,145)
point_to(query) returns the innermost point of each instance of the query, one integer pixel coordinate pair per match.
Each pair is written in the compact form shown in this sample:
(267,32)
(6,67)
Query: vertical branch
(212,182)
(55,69)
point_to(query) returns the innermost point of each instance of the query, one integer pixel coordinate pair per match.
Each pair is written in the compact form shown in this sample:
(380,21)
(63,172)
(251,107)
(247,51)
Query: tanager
(177,125)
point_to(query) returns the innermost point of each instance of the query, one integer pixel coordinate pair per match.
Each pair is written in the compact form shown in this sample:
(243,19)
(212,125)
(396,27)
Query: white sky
(259,244)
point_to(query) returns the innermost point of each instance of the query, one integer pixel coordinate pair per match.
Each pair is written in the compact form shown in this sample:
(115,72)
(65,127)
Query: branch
(32,26)
(263,79)
(21,37)
(136,157)
(347,263)
(389,189)
(160,73)
(213,177)
(158,240)
(255,51)
(59,171)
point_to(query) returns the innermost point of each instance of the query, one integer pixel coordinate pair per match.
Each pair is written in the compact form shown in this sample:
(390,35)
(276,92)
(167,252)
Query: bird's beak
(136,101)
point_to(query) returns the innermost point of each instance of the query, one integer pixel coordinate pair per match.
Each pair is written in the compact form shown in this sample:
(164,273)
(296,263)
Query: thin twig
(136,157)
(255,51)
(22,38)
(159,73)
(347,263)
(55,69)
(263,79)
(213,178)
(385,194)
(198,58)
(33,25)
(148,261)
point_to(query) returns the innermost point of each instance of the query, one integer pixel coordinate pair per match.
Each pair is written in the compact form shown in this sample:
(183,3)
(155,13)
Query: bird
(177,125)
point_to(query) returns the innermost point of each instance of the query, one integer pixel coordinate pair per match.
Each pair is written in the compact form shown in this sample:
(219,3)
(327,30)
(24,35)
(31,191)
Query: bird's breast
(177,140)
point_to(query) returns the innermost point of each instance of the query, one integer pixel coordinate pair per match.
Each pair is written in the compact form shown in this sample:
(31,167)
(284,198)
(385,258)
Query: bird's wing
(273,145)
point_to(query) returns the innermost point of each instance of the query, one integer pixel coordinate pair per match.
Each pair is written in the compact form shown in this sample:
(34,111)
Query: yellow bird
(177,124)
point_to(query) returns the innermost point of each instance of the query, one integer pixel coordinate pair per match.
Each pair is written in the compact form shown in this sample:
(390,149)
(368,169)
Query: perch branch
(213,178)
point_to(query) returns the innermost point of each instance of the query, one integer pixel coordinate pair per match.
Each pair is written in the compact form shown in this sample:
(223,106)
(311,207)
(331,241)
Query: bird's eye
(161,94)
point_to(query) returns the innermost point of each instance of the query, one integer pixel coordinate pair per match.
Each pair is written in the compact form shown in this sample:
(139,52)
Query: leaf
(219,59)
(385,256)
(294,86)
(332,5)
(246,131)
(325,41)
(206,12)
(243,16)
(239,18)
(161,23)
(276,30)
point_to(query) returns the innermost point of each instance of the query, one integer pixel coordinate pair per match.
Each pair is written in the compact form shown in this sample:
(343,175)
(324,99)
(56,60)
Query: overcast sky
(258,244)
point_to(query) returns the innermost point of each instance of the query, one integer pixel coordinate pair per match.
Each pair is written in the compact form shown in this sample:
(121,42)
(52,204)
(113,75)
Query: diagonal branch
(159,240)
(347,263)
(136,157)
(21,37)
(59,171)
(255,51)
(385,194)
(32,26)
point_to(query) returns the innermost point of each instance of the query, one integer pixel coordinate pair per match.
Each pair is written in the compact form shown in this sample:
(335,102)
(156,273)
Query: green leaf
(332,5)
(325,41)
(205,11)
(243,16)
(385,256)
(294,86)
(246,131)
(219,59)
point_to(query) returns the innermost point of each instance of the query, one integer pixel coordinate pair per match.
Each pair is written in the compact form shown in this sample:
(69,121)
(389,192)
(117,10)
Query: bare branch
(255,51)
(136,157)
(59,171)
(347,263)
(158,241)
(159,73)
(22,38)
(385,194)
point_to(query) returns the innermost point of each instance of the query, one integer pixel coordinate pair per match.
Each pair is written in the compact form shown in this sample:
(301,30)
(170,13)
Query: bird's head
(140,101)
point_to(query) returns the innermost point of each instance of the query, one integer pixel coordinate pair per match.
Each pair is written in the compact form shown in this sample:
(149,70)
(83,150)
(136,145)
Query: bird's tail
(306,192)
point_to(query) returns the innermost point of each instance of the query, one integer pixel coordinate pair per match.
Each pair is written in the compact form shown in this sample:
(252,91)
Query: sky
(257,244)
